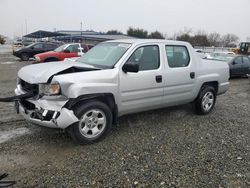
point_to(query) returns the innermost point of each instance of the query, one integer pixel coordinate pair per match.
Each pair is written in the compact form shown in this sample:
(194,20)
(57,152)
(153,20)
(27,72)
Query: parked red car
(62,52)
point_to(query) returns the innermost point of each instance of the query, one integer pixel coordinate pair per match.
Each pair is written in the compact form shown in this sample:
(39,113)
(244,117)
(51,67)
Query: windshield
(225,57)
(105,55)
(31,45)
(60,48)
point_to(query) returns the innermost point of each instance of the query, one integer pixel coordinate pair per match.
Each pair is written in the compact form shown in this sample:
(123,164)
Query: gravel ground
(170,147)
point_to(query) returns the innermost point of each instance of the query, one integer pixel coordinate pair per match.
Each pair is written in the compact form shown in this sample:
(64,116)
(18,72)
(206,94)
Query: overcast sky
(166,16)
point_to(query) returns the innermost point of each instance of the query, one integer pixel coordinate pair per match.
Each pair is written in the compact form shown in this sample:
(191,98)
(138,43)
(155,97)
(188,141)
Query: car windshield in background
(31,45)
(221,57)
(105,55)
(60,48)
(226,58)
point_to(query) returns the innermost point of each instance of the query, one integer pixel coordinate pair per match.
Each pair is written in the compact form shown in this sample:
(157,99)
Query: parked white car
(115,78)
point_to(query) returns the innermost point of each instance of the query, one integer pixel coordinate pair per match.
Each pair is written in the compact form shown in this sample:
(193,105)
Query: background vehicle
(239,64)
(115,78)
(18,42)
(62,52)
(27,52)
(244,49)
(27,42)
(218,55)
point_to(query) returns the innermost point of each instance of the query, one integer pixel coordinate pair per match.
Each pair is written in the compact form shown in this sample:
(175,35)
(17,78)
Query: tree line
(199,38)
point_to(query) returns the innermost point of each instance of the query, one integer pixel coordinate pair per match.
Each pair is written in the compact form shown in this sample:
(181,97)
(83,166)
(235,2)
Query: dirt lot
(164,148)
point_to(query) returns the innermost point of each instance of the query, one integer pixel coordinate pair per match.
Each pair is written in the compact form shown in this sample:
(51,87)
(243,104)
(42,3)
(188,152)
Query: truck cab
(115,78)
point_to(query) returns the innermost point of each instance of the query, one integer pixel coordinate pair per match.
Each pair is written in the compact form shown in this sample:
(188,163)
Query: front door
(236,66)
(142,90)
(37,49)
(72,51)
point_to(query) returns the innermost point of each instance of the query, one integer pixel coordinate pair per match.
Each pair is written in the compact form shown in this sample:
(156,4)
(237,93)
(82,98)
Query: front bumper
(46,111)
(15,53)
(37,59)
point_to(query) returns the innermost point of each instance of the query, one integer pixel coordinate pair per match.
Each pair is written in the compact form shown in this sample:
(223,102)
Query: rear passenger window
(177,56)
(147,57)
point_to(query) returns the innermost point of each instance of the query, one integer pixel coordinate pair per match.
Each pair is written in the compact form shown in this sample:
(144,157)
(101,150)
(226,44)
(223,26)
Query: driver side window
(237,60)
(147,57)
(38,46)
(73,48)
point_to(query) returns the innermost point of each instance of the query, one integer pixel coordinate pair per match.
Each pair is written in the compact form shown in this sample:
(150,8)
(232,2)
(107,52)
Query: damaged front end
(40,109)
(43,103)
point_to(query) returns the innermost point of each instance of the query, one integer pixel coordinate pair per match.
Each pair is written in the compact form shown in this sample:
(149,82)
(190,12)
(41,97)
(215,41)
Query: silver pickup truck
(114,78)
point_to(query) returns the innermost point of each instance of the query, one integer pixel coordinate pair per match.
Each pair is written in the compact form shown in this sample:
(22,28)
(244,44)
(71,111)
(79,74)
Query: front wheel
(95,122)
(24,57)
(205,102)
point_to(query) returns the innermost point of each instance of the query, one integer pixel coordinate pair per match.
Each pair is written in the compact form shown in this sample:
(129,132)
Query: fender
(107,98)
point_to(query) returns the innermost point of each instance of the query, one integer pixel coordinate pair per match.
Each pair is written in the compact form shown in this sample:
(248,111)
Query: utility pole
(81,32)
(26,26)
(81,27)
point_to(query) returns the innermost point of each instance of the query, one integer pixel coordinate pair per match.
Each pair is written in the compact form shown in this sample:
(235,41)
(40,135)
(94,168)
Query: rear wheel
(24,57)
(205,102)
(95,122)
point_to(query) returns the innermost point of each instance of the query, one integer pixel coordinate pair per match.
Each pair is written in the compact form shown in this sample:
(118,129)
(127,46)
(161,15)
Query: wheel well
(214,84)
(25,53)
(106,98)
(51,59)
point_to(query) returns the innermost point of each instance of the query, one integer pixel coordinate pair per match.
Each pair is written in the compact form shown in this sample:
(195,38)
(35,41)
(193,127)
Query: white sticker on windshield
(124,45)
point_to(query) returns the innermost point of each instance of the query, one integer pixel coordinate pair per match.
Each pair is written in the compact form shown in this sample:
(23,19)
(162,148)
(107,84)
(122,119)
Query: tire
(205,102)
(95,122)
(24,57)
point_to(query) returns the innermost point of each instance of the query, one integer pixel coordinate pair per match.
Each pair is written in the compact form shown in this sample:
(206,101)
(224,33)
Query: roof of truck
(141,41)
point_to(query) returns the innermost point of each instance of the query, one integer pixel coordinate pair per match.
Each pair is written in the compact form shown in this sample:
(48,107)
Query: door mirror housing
(130,67)
(234,63)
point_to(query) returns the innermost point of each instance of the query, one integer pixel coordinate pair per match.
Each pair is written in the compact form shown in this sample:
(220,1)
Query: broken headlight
(49,89)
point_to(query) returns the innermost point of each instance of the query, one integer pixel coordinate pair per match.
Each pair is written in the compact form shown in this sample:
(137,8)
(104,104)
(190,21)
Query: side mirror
(66,51)
(234,63)
(32,47)
(130,67)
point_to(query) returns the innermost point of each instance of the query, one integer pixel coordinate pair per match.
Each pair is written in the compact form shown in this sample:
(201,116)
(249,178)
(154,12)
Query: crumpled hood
(40,73)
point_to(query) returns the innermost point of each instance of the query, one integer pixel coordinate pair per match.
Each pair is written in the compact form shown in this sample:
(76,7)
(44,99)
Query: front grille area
(27,105)
(29,87)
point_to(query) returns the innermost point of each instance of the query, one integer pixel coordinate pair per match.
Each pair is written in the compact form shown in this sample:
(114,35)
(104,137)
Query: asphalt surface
(170,147)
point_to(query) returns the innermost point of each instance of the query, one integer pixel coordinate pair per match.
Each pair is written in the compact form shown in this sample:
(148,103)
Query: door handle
(158,78)
(192,75)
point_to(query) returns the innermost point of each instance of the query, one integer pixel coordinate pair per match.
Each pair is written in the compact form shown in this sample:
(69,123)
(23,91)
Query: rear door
(142,90)
(180,75)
